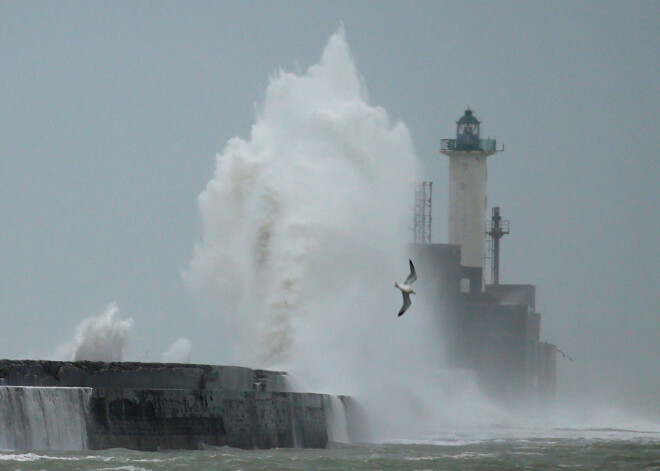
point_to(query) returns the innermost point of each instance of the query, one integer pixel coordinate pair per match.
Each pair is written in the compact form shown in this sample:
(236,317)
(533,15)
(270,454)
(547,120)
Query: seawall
(151,406)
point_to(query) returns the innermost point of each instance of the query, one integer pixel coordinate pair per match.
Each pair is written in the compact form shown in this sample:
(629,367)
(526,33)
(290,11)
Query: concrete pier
(152,406)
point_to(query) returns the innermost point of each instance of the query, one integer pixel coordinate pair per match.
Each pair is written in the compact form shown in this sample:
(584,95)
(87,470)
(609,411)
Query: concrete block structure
(495,332)
(155,406)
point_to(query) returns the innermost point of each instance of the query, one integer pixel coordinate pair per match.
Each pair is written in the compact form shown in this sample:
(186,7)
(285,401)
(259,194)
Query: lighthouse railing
(485,145)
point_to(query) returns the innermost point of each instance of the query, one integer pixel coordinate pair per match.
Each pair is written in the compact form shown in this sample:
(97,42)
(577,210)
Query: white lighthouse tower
(467,195)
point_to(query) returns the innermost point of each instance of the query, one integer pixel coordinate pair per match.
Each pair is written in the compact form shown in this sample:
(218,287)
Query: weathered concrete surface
(495,333)
(96,374)
(150,406)
(151,419)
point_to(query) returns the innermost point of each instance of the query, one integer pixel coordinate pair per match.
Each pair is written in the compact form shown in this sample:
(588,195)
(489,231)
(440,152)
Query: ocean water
(492,449)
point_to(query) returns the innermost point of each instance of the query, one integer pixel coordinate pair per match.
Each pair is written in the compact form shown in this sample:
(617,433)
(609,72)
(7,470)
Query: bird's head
(412,292)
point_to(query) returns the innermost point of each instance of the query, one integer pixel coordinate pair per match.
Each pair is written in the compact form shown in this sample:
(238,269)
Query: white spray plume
(102,338)
(305,228)
(179,352)
(314,204)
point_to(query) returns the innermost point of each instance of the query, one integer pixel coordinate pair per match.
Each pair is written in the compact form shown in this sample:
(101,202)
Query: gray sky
(111,114)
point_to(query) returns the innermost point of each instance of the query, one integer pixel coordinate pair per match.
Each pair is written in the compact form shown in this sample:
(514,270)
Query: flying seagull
(406,288)
(563,354)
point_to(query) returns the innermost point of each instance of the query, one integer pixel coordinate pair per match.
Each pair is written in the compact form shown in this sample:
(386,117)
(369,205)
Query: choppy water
(597,449)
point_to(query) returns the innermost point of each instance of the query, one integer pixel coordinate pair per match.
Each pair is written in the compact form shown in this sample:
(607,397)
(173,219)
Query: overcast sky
(111,114)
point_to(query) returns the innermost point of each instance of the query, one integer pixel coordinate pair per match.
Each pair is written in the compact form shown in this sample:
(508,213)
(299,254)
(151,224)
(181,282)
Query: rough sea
(493,449)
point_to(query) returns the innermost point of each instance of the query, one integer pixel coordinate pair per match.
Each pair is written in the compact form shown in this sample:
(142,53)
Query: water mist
(306,226)
(98,338)
(179,352)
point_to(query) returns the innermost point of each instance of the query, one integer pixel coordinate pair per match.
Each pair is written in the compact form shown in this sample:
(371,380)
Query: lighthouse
(467,195)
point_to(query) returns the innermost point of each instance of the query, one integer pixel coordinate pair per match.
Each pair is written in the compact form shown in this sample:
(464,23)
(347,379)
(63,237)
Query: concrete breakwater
(151,406)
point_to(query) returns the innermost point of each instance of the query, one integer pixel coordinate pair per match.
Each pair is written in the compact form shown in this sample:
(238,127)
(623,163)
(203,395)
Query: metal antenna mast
(422,226)
(496,228)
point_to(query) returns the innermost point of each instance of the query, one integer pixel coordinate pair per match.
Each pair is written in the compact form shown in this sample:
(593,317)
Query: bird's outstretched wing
(406,303)
(563,354)
(413,274)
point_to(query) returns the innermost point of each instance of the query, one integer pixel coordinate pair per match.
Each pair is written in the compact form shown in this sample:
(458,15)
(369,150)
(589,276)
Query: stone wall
(151,419)
(151,406)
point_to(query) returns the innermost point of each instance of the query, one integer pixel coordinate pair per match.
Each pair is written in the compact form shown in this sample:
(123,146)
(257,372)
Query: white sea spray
(306,225)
